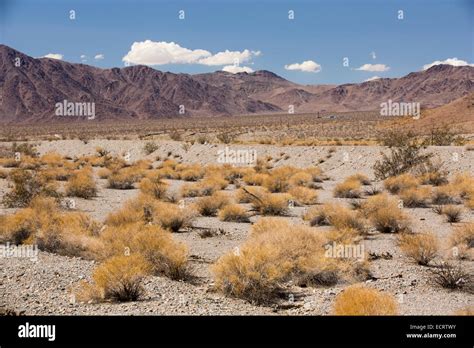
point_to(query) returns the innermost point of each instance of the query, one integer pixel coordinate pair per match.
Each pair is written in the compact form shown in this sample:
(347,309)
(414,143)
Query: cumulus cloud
(372,78)
(54,56)
(449,61)
(161,52)
(234,69)
(229,57)
(374,67)
(99,56)
(158,53)
(307,66)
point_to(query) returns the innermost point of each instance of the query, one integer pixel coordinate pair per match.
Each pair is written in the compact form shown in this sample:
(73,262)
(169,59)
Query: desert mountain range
(30,91)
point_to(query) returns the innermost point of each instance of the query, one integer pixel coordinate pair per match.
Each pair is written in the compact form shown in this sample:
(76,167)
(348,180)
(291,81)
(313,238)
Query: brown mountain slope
(28,93)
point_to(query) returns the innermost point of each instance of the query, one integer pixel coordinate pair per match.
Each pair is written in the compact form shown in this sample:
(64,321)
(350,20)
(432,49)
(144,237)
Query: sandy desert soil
(43,287)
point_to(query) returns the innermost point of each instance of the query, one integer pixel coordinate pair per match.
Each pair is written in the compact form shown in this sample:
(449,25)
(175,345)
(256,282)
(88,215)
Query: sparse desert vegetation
(266,236)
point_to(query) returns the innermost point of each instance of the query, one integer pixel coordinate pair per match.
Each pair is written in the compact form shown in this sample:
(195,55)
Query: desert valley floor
(45,286)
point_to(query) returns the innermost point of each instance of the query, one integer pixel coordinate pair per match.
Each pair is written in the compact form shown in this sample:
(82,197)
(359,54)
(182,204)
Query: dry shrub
(52,159)
(191,174)
(278,181)
(452,276)
(245,194)
(336,215)
(301,179)
(400,183)
(233,212)
(462,239)
(255,179)
(155,187)
(360,300)
(145,209)
(415,197)
(58,173)
(349,188)
(384,214)
(3,174)
(421,247)
(448,194)
(104,173)
(120,278)
(82,185)
(303,195)
(453,213)
(191,190)
(208,206)
(271,203)
(71,234)
(469,310)
(363,179)
(464,185)
(164,255)
(275,253)
(26,186)
(125,178)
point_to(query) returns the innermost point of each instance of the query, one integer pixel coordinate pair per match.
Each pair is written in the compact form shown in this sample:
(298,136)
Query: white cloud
(83,56)
(372,78)
(307,66)
(237,69)
(449,61)
(99,56)
(161,52)
(158,53)
(374,67)
(54,56)
(229,57)
(373,55)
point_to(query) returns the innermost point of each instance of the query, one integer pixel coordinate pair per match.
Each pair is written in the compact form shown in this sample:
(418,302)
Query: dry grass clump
(349,188)
(164,255)
(279,179)
(71,234)
(301,179)
(234,213)
(104,173)
(462,242)
(124,179)
(245,194)
(452,213)
(448,194)
(361,300)
(58,173)
(155,187)
(464,184)
(191,174)
(469,310)
(383,212)
(415,197)
(120,278)
(52,159)
(146,209)
(255,179)
(452,276)
(271,203)
(82,184)
(277,252)
(26,186)
(401,182)
(303,195)
(3,174)
(208,206)
(363,179)
(336,215)
(421,247)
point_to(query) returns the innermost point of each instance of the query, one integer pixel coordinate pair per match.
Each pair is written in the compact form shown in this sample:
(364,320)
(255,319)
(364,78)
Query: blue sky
(323,32)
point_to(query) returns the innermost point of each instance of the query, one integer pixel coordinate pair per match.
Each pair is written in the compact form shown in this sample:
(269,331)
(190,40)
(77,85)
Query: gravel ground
(44,286)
